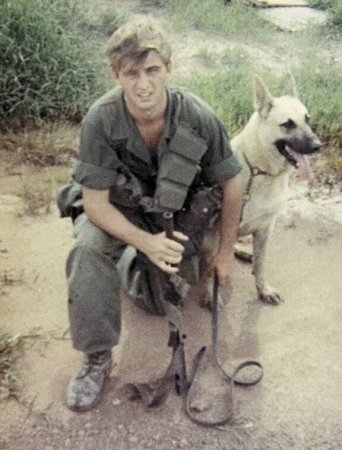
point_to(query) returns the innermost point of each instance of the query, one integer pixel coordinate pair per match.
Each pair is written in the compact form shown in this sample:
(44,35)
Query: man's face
(144,84)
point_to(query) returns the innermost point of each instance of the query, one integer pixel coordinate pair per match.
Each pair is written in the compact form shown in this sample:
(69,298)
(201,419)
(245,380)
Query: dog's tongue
(304,169)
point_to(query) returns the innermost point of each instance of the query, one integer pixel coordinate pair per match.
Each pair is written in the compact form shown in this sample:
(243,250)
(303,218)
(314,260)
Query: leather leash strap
(200,362)
(155,393)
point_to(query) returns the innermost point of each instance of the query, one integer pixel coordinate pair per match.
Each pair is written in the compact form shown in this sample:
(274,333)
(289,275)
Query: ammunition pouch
(178,167)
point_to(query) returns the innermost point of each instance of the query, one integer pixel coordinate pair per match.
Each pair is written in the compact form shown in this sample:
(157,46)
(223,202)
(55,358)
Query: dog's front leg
(265,292)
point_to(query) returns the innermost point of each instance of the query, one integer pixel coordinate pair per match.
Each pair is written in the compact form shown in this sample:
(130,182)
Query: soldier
(145,148)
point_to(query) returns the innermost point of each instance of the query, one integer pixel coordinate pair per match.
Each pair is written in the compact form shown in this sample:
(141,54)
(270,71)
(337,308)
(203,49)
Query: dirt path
(296,406)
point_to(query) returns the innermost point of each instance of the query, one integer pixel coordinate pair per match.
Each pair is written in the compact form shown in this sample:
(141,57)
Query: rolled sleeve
(98,161)
(222,171)
(94,177)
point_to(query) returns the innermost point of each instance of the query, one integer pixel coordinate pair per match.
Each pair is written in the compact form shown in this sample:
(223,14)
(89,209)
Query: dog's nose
(317,145)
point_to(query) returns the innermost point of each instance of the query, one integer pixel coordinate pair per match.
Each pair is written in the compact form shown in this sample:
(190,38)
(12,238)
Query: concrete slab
(294,19)
(266,3)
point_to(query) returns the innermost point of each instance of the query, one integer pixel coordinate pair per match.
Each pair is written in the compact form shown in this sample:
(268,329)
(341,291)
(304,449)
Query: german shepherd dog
(274,143)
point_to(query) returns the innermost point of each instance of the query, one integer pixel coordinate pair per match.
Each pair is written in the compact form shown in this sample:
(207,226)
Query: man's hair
(134,40)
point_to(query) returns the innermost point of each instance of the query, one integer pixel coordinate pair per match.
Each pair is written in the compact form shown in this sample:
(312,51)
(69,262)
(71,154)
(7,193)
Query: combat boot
(86,385)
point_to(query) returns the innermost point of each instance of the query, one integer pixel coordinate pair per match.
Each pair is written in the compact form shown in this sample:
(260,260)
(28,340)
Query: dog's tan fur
(282,120)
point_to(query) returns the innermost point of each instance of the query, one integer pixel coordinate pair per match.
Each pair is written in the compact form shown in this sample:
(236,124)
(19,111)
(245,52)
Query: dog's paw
(270,297)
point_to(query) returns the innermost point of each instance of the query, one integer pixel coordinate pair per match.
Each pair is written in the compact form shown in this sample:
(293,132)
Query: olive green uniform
(111,144)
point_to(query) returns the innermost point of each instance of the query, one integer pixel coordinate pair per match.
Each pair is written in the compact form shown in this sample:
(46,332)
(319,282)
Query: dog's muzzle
(295,152)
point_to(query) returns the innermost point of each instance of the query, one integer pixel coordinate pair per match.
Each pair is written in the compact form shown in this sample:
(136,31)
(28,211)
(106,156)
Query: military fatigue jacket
(110,140)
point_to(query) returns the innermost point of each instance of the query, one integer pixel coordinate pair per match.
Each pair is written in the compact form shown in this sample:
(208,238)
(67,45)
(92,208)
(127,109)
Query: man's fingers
(223,279)
(166,267)
(174,248)
(180,236)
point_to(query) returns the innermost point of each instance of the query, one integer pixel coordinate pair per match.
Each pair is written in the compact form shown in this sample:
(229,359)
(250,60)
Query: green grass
(234,21)
(318,87)
(228,92)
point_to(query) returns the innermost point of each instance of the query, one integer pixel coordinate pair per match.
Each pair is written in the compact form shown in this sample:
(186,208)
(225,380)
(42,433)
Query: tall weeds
(47,68)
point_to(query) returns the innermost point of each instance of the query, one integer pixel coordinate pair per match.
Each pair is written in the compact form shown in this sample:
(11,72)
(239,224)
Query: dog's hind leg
(265,292)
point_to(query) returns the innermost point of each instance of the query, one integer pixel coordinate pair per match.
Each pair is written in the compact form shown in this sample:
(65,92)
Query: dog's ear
(290,85)
(263,100)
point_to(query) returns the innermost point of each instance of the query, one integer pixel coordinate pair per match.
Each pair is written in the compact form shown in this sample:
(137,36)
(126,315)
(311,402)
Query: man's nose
(143,80)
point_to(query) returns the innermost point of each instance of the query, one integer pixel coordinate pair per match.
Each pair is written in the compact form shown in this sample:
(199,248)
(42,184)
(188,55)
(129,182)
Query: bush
(335,17)
(334,10)
(47,68)
(322,4)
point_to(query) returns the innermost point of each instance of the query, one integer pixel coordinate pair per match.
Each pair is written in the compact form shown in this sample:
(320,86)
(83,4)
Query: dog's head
(287,122)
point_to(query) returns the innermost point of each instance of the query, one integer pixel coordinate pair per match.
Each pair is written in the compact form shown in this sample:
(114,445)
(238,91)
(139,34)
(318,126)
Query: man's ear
(169,68)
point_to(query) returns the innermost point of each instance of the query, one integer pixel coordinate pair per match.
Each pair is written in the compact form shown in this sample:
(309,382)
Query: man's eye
(153,70)
(289,125)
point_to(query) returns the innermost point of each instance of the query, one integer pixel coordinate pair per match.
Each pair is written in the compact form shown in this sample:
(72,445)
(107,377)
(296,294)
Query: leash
(202,358)
(155,393)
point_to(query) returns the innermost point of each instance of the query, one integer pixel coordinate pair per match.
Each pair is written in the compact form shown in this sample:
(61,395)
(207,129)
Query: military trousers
(99,268)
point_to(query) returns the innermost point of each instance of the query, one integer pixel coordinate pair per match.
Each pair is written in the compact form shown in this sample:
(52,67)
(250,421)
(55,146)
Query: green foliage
(334,10)
(335,17)
(51,66)
(228,92)
(320,88)
(322,4)
(47,68)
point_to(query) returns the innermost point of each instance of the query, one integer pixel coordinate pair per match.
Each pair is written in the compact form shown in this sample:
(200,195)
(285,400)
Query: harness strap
(254,172)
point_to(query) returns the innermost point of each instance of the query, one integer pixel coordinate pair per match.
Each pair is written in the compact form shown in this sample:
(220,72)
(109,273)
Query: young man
(145,148)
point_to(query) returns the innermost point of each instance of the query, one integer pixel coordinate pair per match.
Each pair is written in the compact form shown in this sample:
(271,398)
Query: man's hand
(223,264)
(165,253)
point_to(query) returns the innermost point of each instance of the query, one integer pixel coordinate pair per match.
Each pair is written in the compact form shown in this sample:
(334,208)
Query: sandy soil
(297,405)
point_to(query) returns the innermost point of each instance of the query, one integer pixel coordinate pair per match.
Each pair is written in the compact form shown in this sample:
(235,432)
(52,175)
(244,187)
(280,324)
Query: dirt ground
(297,405)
